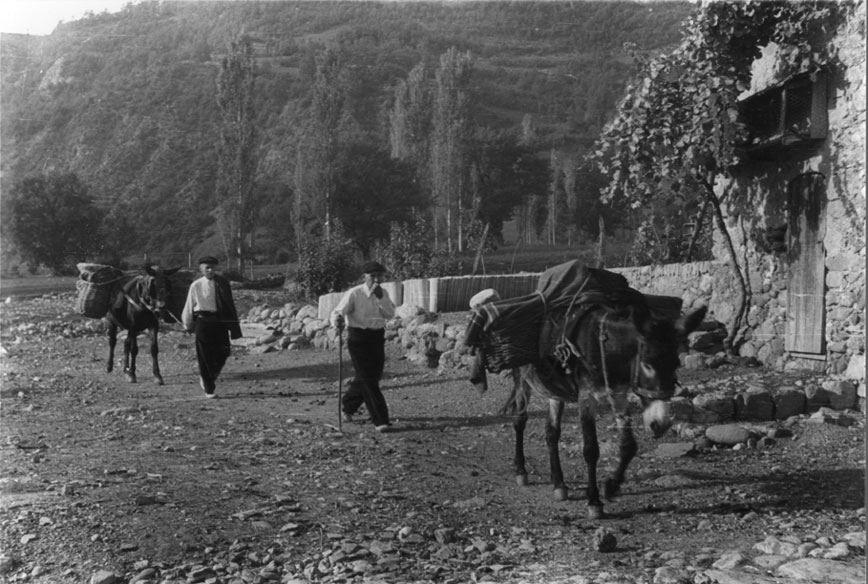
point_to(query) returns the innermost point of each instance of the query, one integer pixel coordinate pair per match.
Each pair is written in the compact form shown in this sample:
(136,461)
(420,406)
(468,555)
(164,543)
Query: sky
(41,16)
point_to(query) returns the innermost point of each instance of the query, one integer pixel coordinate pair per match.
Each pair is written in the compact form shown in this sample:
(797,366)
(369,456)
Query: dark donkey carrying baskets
(584,336)
(135,303)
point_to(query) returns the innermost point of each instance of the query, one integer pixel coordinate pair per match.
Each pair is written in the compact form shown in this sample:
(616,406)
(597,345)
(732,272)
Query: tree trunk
(480,248)
(601,261)
(744,294)
(697,230)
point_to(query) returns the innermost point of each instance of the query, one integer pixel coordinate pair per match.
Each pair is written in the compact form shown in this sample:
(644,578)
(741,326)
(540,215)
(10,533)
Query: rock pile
(435,341)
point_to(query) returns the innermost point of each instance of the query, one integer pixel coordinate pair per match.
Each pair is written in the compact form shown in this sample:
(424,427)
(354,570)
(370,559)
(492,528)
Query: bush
(325,265)
(409,254)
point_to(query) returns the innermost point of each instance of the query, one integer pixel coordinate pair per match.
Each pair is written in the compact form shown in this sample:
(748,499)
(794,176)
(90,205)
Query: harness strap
(602,339)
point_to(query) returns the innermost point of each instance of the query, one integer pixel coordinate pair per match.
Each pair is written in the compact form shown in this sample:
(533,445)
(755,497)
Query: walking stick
(340,377)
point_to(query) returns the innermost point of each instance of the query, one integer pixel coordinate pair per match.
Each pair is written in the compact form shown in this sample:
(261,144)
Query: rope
(602,339)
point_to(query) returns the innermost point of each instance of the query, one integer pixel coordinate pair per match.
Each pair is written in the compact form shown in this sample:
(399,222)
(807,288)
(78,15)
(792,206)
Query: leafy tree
(677,131)
(236,166)
(316,167)
(371,191)
(52,220)
(504,173)
(450,144)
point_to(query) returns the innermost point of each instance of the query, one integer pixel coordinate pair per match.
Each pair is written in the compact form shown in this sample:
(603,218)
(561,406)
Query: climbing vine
(677,131)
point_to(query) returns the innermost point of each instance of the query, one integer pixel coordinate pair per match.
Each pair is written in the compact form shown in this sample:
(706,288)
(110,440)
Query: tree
(316,168)
(677,132)
(372,190)
(450,144)
(236,159)
(52,220)
(504,173)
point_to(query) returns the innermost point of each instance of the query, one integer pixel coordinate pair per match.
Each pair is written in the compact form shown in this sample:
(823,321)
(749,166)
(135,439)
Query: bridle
(569,347)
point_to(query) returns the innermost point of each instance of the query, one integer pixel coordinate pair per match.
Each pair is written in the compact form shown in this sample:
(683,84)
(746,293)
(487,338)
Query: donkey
(605,354)
(138,305)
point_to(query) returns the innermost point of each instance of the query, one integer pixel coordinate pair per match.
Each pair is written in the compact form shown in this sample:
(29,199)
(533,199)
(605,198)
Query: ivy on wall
(677,132)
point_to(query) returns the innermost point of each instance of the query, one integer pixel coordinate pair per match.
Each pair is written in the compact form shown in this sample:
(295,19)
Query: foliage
(451,131)
(133,111)
(236,149)
(52,220)
(372,190)
(679,121)
(325,263)
(677,132)
(408,252)
(504,173)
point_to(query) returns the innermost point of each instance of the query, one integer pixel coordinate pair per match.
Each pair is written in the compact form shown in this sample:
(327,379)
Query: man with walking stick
(364,309)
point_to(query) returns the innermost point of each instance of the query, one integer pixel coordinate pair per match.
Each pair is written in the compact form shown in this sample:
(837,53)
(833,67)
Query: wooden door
(806,306)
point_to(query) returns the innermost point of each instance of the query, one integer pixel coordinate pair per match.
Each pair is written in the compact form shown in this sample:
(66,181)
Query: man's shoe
(384,428)
(210,395)
(345,417)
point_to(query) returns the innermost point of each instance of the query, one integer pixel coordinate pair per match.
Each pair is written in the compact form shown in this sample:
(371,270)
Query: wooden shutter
(806,310)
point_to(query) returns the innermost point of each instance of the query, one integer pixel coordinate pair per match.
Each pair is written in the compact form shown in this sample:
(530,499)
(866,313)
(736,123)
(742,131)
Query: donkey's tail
(519,397)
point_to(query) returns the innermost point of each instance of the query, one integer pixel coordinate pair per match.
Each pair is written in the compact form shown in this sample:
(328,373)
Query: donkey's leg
(131,350)
(519,423)
(518,462)
(553,436)
(112,339)
(155,350)
(591,452)
(626,451)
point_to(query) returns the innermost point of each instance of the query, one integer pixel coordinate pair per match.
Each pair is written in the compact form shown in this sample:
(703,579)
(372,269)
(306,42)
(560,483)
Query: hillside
(127,100)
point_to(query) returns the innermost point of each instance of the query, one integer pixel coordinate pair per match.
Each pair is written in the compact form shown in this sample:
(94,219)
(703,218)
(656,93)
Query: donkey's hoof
(561,494)
(158,381)
(521,480)
(611,489)
(131,378)
(595,512)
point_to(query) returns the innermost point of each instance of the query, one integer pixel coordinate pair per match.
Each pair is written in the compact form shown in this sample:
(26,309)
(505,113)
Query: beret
(208,260)
(372,268)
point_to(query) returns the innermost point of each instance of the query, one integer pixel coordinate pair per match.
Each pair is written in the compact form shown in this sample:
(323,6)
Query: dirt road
(106,479)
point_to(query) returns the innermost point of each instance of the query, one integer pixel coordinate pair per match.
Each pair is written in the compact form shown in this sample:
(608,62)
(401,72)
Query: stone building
(800,220)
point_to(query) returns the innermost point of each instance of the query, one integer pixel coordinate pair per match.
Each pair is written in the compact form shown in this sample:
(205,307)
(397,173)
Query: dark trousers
(212,348)
(368,354)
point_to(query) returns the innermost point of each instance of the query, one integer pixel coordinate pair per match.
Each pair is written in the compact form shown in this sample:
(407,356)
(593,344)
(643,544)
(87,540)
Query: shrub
(409,252)
(325,265)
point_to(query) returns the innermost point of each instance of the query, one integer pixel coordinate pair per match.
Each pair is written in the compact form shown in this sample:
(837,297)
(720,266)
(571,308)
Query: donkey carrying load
(135,303)
(584,335)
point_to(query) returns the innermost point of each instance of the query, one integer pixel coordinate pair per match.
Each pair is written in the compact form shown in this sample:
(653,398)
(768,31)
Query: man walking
(365,309)
(210,314)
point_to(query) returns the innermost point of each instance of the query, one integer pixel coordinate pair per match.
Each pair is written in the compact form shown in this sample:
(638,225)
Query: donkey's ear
(150,271)
(690,322)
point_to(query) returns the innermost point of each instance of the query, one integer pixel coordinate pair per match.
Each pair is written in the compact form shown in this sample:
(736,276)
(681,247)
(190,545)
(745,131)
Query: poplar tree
(236,158)
(451,135)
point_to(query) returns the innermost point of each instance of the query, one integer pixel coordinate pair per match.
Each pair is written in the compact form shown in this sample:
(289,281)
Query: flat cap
(211,260)
(373,268)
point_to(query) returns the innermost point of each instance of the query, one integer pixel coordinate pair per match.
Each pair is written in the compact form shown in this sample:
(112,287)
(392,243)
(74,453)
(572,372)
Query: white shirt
(202,297)
(361,309)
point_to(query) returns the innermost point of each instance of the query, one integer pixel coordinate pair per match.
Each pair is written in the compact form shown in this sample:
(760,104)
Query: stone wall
(758,192)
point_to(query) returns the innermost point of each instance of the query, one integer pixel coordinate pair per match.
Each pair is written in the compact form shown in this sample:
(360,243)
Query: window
(792,113)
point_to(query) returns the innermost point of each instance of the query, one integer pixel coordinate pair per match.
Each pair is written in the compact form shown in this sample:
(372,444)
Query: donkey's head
(657,361)
(157,287)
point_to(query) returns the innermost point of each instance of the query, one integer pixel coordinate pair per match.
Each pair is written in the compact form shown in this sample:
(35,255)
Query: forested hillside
(127,101)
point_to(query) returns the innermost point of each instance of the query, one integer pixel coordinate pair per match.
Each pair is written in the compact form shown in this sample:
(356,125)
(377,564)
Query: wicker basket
(509,349)
(93,298)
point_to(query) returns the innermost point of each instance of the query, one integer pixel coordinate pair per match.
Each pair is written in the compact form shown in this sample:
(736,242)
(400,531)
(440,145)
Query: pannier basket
(504,350)
(95,286)
(93,299)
